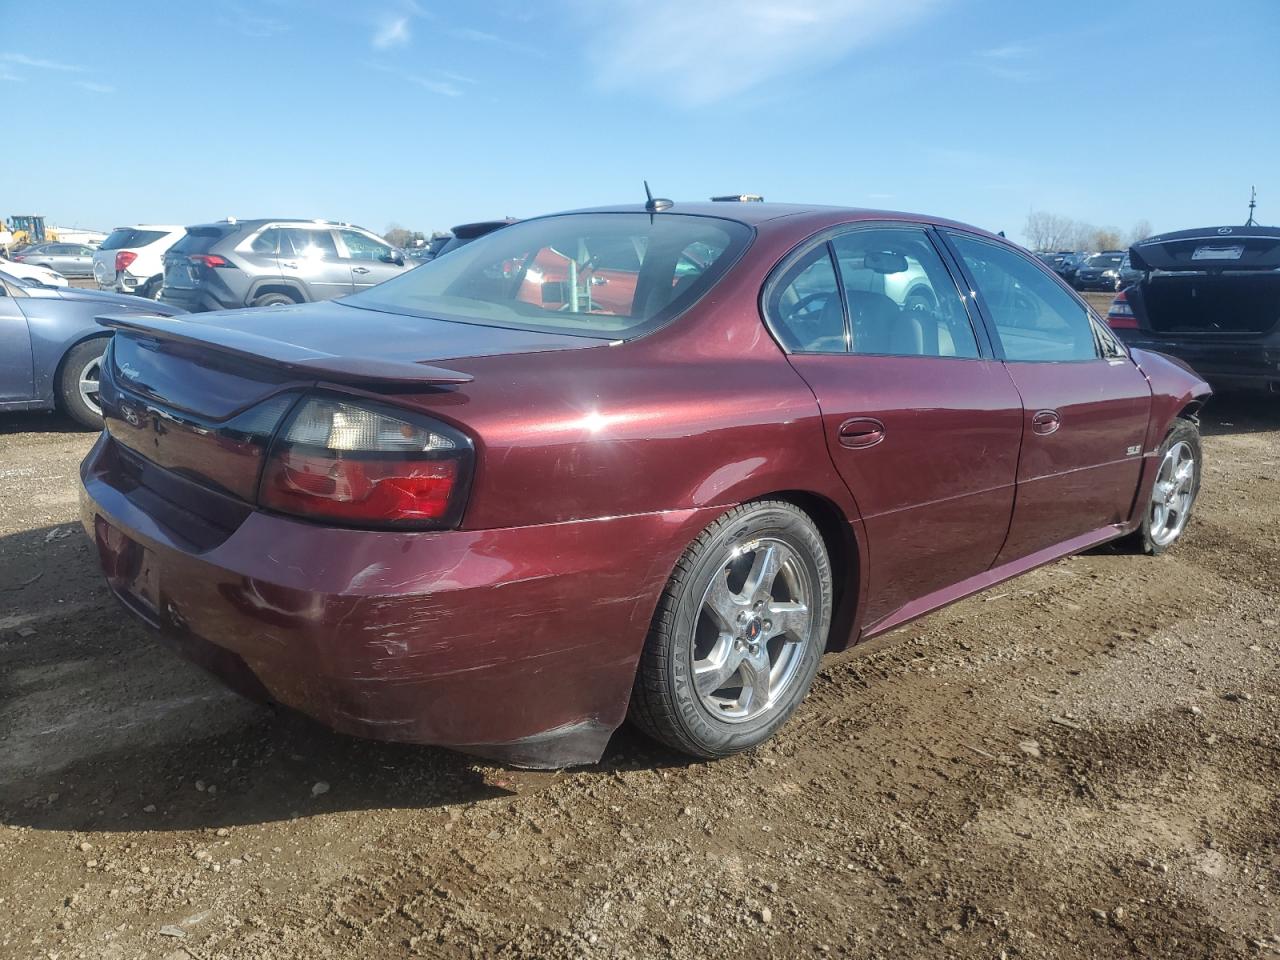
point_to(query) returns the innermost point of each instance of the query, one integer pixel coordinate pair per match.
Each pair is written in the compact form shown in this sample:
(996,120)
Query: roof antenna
(655,204)
(1253,203)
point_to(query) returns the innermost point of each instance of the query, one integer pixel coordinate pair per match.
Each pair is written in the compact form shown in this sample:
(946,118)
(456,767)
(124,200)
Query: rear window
(122,237)
(201,239)
(1105,260)
(605,274)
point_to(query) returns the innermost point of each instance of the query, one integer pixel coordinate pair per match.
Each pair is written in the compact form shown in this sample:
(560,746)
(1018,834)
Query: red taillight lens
(364,464)
(18,257)
(1120,316)
(209,260)
(124,258)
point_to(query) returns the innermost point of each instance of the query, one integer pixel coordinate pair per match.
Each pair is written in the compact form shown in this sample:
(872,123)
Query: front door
(922,423)
(309,257)
(1086,407)
(15,349)
(370,261)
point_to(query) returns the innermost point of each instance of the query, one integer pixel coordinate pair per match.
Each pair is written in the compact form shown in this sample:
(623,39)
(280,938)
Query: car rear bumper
(1245,364)
(194,300)
(518,644)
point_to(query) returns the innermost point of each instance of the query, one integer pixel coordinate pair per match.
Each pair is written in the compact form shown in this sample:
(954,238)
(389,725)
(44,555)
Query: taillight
(123,259)
(360,463)
(1120,316)
(209,260)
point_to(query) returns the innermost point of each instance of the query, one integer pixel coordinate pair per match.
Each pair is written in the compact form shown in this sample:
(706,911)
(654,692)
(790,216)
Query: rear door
(1085,412)
(16,381)
(370,260)
(309,256)
(921,420)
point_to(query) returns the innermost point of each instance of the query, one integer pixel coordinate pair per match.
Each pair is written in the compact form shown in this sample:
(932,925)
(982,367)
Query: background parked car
(51,345)
(464,233)
(68,259)
(129,260)
(1100,271)
(431,249)
(32,273)
(1211,297)
(1128,275)
(259,263)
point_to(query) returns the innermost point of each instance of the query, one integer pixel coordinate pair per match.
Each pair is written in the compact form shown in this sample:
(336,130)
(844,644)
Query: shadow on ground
(102,728)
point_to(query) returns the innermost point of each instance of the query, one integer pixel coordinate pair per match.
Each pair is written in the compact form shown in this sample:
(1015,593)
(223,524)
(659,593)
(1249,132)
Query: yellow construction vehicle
(28,228)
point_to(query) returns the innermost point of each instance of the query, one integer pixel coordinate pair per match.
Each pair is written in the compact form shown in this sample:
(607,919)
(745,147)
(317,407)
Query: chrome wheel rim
(1173,493)
(89,385)
(753,626)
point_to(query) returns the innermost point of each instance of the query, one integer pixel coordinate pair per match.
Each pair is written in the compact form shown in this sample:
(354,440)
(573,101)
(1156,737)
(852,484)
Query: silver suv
(258,263)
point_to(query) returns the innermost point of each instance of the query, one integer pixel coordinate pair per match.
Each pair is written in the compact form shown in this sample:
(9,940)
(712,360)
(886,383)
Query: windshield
(598,274)
(1105,260)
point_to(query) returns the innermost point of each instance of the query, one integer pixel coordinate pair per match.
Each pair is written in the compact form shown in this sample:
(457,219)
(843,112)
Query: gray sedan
(69,259)
(51,345)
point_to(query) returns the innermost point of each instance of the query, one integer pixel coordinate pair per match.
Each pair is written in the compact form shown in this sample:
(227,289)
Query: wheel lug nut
(742,617)
(768,624)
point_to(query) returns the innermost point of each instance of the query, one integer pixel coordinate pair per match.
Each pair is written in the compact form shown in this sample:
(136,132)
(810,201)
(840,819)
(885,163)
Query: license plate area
(1232,252)
(130,568)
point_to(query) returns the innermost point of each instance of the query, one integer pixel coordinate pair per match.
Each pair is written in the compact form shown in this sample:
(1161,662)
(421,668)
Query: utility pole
(1253,203)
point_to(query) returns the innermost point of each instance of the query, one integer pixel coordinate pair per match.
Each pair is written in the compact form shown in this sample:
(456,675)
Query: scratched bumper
(517,644)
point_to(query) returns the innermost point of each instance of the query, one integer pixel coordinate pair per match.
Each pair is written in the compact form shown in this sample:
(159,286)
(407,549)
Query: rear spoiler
(296,359)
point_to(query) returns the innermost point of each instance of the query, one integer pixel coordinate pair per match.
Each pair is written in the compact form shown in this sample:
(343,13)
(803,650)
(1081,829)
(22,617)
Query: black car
(1099,272)
(1210,297)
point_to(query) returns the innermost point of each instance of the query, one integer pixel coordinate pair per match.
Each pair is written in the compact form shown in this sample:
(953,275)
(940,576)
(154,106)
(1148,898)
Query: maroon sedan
(447,511)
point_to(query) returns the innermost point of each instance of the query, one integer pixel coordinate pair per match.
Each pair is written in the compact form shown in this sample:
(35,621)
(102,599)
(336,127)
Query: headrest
(885,261)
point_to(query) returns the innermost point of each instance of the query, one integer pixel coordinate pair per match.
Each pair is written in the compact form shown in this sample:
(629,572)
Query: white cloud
(440,82)
(1009,51)
(1010,61)
(95,87)
(696,53)
(22,60)
(392,32)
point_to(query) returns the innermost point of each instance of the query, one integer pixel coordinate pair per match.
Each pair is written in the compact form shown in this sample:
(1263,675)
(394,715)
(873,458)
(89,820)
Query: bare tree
(1047,231)
(1139,231)
(1104,238)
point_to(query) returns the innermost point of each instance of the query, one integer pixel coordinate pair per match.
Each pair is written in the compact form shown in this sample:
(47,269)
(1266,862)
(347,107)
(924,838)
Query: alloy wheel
(752,629)
(1173,493)
(88,383)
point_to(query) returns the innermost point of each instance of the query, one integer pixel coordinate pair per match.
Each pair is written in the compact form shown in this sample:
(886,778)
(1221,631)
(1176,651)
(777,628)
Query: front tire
(738,634)
(78,383)
(272,300)
(1174,491)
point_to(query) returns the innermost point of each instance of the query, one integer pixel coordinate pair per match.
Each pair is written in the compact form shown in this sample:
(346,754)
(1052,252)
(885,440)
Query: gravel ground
(1084,762)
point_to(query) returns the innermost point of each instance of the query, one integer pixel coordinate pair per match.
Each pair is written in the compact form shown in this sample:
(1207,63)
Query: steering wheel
(810,306)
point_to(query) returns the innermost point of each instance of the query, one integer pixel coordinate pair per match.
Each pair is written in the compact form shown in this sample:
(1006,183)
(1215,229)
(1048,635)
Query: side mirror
(395,256)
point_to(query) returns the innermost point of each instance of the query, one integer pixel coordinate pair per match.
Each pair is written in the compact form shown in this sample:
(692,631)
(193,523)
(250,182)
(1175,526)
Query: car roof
(150,226)
(757,214)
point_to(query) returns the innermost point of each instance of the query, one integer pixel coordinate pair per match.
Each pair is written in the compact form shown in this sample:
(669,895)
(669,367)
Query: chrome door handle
(289,264)
(359,269)
(1046,422)
(860,432)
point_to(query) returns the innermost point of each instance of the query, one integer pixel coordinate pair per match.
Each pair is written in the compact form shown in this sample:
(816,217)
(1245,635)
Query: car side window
(805,306)
(1035,318)
(312,244)
(268,241)
(360,247)
(902,300)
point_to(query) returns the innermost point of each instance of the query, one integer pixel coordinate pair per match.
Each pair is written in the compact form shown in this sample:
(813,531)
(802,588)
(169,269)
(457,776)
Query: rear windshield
(200,239)
(130,237)
(594,274)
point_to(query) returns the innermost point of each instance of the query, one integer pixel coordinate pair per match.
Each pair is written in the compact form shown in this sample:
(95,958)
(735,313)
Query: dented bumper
(517,644)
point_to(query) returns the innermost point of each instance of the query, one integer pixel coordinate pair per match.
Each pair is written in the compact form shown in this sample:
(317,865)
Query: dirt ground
(1083,763)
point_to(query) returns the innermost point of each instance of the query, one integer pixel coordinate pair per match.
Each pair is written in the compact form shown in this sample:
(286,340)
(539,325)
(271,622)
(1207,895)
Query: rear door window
(902,300)
(805,306)
(1036,319)
(312,244)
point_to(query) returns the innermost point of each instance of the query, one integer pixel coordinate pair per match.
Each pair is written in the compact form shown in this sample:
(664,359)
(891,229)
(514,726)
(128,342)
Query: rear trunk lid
(200,397)
(1215,282)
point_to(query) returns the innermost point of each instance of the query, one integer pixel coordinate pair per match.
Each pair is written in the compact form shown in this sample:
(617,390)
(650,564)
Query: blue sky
(428,113)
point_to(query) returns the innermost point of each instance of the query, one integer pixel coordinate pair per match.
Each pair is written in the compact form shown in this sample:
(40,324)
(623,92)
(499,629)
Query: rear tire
(738,634)
(1167,504)
(272,300)
(78,382)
